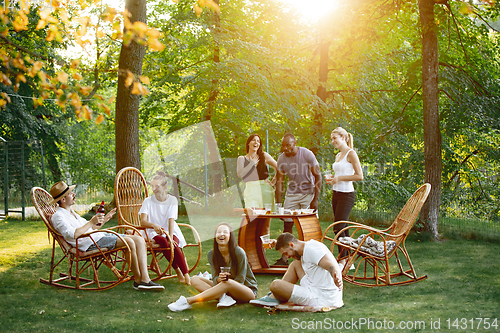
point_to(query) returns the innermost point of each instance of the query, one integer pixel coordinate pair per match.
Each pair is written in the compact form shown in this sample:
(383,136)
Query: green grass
(464,282)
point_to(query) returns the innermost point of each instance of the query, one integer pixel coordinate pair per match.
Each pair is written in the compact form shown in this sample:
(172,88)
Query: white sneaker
(225,301)
(180,305)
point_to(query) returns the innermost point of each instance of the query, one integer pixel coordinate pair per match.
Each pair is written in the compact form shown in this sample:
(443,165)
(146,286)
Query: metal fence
(22,167)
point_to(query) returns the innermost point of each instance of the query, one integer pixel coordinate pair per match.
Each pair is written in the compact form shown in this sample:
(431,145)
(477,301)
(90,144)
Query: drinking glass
(226,270)
(266,239)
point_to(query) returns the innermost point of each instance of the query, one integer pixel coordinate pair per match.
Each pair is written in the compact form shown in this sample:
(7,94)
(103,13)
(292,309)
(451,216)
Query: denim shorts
(108,241)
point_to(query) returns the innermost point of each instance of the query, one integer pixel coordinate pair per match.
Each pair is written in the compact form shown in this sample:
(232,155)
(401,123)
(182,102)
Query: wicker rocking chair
(99,269)
(130,192)
(374,255)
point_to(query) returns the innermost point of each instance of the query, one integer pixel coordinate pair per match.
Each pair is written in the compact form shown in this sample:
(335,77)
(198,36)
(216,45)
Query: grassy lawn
(464,282)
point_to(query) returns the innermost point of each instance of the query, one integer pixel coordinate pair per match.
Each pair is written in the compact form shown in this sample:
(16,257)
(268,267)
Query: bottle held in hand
(100,213)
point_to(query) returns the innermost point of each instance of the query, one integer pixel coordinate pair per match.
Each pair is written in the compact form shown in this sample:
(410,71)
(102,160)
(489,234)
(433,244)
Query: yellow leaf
(77,76)
(139,89)
(145,79)
(75,100)
(75,63)
(136,89)
(111,99)
(64,15)
(100,34)
(45,13)
(2,103)
(5,79)
(38,101)
(155,45)
(20,77)
(42,76)
(153,33)
(41,24)
(62,77)
(197,10)
(85,90)
(99,119)
(129,79)
(106,109)
(19,24)
(465,8)
(87,112)
(7,97)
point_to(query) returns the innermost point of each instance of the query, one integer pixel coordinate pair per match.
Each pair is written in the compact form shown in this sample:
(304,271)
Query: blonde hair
(348,136)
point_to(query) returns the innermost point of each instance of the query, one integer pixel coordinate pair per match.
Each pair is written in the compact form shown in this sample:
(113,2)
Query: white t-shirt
(159,212)
(318,278)
(67,221)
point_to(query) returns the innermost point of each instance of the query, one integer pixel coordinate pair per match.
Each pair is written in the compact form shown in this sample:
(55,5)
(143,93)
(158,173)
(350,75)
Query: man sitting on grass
(317,270)
(71,226)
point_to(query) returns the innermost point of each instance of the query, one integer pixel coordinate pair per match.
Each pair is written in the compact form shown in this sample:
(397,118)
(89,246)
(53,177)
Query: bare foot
(187,279)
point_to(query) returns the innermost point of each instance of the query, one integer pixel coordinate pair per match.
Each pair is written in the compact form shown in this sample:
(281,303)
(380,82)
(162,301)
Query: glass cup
(280,209)
(269,208)
(226,270)
(266,239)
(328,175)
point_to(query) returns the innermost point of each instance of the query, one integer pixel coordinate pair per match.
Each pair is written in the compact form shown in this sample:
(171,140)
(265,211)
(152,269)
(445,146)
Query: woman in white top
(347,169)
(159,213)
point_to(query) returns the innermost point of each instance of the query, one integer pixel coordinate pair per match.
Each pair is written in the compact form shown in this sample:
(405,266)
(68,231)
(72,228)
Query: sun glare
(313,10)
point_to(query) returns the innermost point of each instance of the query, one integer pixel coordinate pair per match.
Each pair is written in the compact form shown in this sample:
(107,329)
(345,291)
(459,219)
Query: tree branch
(25,50)
(408,102)
(475,152)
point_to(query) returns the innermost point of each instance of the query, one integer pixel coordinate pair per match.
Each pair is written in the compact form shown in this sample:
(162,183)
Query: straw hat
(59,190)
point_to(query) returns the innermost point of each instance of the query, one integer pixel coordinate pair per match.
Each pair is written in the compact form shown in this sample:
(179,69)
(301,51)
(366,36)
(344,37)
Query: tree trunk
(127,104)
(321,93)
(216,171)
(432,133)
(214,92)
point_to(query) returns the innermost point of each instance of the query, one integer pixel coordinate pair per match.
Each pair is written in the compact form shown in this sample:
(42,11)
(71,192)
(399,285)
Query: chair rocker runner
(130,192)
(98,269)
(375,254)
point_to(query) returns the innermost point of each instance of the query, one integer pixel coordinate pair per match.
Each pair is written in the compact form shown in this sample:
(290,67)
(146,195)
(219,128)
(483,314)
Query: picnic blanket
(288,306)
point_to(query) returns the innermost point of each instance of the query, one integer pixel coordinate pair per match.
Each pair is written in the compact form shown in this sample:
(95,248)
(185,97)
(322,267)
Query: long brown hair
(217,257)
(260,152)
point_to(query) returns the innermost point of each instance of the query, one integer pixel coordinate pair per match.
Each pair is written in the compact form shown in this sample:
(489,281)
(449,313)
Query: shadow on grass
(464,282)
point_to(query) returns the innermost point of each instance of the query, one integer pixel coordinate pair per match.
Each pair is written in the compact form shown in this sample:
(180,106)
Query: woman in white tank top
(347,169)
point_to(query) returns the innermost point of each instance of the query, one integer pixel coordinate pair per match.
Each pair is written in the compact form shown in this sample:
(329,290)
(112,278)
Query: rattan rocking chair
(130,192)
(99,269)
(375,255)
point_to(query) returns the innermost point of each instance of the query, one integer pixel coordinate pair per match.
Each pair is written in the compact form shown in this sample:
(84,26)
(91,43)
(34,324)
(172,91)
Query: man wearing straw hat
(71,226)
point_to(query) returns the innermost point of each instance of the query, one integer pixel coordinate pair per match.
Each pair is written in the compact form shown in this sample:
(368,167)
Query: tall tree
(432,132)
(127,104)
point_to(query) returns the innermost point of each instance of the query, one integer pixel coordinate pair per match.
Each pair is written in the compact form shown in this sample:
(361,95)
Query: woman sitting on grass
(159,213)
(239,285)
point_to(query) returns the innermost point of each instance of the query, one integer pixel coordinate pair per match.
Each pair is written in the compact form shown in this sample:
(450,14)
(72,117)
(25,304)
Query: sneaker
(136,286)
(225,301)
(281,262)
(149,286)
(180,305)
(265,301)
